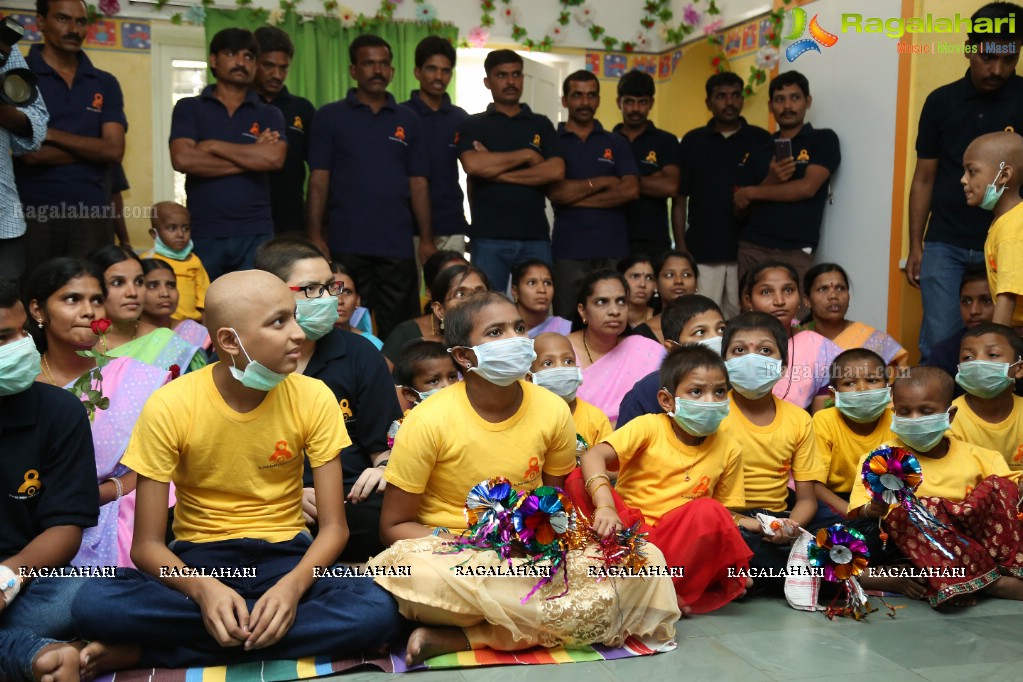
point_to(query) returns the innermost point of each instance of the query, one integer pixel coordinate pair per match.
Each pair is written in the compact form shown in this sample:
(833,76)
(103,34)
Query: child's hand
(876,509)
(224,613)
(309,506)
(370,481)
(786,532)
(606,521)
(273,615)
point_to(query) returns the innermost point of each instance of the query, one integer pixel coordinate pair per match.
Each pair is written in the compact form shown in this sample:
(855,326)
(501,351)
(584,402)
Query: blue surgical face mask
(753,375)
(862,407)
(921,433)
(561,381)
(19,366)
(984,379)
(699,418)
(316,316)
(992,193)
(504,362)
(162,249)
(255,375)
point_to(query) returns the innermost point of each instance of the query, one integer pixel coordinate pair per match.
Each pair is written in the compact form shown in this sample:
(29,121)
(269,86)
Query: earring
(40,323)
(584,320)
(442,324)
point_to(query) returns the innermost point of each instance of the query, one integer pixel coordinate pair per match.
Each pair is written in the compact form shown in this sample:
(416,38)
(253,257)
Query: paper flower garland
(768,57)
(842,553)
(478,36)
(426,12)
(347,16)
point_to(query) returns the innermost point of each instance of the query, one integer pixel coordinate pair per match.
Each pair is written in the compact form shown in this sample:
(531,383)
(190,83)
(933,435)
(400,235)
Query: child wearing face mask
(172,242)
(776,439)
(677,477)
(992,164)
(858,423)
(423,368)
(989,415)
(555,370)
(969,489)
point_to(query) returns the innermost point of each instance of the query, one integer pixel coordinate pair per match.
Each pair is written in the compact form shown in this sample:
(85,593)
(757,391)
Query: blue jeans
(334,616)
(940,275)
(40,615)
(496,257)
(221,255)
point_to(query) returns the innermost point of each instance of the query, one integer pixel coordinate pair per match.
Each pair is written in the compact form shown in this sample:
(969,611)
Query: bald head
(994,148)
(935,382)
(241,299)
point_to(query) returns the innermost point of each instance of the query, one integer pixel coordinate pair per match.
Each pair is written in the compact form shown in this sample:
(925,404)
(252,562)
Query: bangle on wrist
(594,477)
(118,486)
(602,485)
(604,506)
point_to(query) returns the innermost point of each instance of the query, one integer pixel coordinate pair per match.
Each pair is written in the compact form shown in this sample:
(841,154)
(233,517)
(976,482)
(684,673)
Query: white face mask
(714,343)
(505,361)
(561,381)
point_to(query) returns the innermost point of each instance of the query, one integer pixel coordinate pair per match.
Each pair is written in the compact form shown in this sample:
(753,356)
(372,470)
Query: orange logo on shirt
(281,452)
(785,468)
(651,157)
(608,155)
(1018,457)
(399,133)
(297,123)
(991,263)
(31,484)
(346,410)
(255,128)
(533,471)
(457,136)
(97,101)
(803,156)
(703,487)
(536,141)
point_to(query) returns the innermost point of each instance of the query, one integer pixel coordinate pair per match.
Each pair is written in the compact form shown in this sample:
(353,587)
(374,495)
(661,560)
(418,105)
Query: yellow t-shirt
(840,450)
(1005,438)
(236,475)
(590,422)
(1003,256)
(193,281)
(654,463)
(770,453)
(444,448)
(952,477)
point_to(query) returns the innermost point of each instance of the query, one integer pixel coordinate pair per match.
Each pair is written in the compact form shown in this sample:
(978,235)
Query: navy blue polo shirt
(641,399)
(953,116)
(439,130)
(287,185)
(592,232)
(356,372)
(233,205)
(500,210)
(791,224)
(93,99)
(709,173)
(47,466)
(370,158)
(653,150)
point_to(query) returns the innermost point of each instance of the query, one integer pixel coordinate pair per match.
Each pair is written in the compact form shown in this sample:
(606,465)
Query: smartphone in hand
(782,149)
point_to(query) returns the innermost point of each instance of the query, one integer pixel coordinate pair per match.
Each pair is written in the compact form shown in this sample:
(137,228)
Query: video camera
(17,86)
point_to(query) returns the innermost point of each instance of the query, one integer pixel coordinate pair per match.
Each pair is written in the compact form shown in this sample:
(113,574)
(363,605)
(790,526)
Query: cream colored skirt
(491,611)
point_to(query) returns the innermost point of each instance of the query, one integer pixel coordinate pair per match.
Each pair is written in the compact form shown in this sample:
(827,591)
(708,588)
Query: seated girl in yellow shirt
(555,370)
(970,490)
(677,477)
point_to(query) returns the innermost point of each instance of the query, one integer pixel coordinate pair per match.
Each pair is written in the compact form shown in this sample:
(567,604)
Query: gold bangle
(598,488)
(604,506)
(594,477)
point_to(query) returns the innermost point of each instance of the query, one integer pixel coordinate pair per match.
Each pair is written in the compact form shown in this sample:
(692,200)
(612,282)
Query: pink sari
(128,383)
(810,358)
(607,380)
(194,333)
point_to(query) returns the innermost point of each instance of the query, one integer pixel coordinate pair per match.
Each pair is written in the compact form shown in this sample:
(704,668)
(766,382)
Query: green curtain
(319,70)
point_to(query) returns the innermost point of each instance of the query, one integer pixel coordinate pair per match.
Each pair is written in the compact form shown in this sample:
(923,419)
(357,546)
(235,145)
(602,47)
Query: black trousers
(389,287)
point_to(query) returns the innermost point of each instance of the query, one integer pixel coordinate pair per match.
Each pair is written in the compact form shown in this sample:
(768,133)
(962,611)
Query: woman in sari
(64,298)
(611,362)
(639,273)
(532,287)
(826,287)
(131,336)
(524,433)
(161,300)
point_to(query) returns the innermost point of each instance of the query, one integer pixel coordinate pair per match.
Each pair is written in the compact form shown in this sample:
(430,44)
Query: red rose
(175,371)
(100,326)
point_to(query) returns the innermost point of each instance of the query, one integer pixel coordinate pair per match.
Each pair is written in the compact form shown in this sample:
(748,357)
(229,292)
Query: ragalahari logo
(795,22)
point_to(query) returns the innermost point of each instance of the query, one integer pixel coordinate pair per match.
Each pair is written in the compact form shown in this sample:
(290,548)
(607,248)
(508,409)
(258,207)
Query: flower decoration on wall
(509,14)
(557,33)
(478,36)
(641,41)
(347,16)
(196,14)
(426,12)
(275,17)
(691,16)
(585,14)
(768,57)
(109,7)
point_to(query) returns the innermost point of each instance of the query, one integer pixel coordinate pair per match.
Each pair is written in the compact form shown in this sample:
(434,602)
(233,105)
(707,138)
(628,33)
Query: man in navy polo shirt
(710,157)
(227,141)
(67,208)
(369,166)
(435,63)
(782,202)
(987,99)
(510,155)
(656,155)
(590,228)
(287,186)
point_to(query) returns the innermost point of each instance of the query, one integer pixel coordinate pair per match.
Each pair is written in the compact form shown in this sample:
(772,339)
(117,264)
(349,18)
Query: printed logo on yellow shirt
(991,263)
(1018,457)
(281,452)
(702,488)
(532,471)
(30,487)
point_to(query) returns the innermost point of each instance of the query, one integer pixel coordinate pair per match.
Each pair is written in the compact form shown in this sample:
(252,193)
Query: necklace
(681,445)
(46,368)
(587,348)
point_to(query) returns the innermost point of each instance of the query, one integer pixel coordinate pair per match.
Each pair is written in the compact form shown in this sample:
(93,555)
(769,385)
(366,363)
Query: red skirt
(983,535)
(699,535)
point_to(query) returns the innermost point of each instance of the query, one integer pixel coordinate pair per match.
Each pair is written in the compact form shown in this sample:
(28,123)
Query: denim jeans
(40,615)
(221,255)
(496,257)
(940,275)
(335,615)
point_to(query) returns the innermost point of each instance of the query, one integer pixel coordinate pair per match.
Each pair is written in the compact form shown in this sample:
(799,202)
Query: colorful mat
(305,668)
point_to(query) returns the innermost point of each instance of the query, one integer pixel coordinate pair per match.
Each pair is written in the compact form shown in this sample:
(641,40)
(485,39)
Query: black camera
(17,86)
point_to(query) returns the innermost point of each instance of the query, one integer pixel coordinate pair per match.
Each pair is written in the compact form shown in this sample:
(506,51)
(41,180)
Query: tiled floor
(763,639)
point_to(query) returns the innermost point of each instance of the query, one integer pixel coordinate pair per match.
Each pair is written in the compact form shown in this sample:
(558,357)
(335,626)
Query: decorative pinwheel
(842,553)
(892,474)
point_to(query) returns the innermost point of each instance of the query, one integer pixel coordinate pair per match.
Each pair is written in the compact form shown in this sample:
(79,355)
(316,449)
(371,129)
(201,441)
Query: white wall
(853,86)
